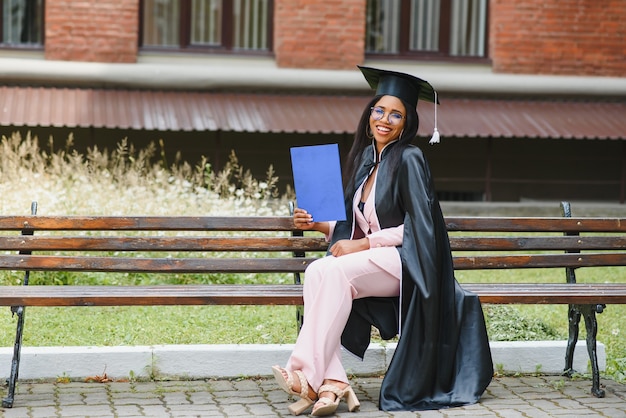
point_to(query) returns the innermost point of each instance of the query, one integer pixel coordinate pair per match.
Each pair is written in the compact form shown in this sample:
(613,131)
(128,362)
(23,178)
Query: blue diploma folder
(317,180)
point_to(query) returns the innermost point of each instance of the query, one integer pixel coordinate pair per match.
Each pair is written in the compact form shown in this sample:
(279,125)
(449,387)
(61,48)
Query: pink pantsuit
(330,285)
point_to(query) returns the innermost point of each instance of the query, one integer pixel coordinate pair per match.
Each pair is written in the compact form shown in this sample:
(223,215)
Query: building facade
(533,95)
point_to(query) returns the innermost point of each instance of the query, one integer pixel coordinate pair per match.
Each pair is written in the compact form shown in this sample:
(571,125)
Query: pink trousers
(330,285)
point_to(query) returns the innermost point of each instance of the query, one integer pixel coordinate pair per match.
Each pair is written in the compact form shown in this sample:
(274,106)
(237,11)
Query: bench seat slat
(154,265)
(540,293)
(529,293)
(151,295)
(67,243)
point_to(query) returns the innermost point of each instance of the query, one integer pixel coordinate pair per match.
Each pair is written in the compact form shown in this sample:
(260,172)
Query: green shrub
(508,323)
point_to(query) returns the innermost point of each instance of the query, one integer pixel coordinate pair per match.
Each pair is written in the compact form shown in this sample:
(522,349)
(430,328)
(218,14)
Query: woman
(388,265)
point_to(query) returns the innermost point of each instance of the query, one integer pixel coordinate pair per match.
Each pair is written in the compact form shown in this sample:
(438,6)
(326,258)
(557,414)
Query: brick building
(533,94)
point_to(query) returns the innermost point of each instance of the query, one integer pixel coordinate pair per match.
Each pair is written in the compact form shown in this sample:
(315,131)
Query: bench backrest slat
(103,243)
(562,243)
(155,265)
(147,223)
(538,224)
(264,265)
(538,261)
(280,223)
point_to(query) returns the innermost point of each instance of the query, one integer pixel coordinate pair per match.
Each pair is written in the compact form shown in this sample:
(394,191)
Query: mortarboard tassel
(435,138)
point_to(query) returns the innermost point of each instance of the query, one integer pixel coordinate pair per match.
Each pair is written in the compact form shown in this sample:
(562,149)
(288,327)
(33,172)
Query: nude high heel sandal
(305,402)
(351,399)
(300,406)
(331,406)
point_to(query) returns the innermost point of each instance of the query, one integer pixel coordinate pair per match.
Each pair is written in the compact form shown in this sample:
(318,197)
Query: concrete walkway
(521,396)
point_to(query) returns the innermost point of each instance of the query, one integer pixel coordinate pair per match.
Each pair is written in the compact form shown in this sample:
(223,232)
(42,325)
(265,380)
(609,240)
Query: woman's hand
(349,246)
(303,220)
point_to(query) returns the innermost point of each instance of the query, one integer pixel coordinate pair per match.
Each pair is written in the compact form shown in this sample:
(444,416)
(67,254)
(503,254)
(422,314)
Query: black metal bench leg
(591,325)
(574,320)
(296,276)
(19,331)
(589,312)
(15,363)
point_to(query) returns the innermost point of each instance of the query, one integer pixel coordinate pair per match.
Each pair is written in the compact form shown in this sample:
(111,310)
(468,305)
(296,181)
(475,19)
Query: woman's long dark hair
(362,141)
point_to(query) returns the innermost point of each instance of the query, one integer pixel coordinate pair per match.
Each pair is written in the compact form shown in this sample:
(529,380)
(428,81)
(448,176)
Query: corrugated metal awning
(274,113)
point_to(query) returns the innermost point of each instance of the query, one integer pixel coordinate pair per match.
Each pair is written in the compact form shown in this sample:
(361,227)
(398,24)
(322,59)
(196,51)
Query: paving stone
(95,399)
(155,411)
(71,399)
(86,411)
(128,408)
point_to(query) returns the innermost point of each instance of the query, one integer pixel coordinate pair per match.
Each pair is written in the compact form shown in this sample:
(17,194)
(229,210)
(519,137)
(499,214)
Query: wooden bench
(149,244)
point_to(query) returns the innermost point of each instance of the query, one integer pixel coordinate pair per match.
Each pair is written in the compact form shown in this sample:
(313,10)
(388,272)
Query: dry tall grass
(127,181)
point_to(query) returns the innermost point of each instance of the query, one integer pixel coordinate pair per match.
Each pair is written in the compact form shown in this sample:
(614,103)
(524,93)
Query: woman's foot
(294,383)
(330,394)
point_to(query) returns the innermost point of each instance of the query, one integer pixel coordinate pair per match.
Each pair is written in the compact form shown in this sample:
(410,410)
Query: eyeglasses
(378,113)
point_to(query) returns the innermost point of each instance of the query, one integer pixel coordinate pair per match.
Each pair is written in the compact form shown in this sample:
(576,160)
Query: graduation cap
(403,86)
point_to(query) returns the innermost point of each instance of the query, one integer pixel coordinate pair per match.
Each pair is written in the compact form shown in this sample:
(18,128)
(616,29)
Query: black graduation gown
(443,357)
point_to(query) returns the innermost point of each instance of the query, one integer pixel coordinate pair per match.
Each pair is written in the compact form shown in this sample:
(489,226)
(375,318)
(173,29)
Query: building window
(438,28)
(22,23)
(223,25)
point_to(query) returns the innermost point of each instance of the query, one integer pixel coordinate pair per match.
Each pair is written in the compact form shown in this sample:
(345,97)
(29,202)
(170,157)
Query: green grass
(153,325)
